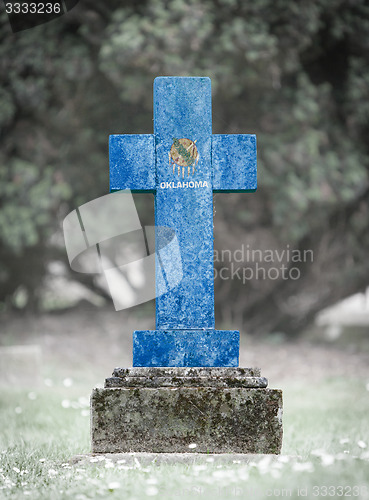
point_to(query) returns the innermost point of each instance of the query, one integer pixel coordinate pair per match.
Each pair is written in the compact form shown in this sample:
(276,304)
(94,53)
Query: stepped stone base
(165,410)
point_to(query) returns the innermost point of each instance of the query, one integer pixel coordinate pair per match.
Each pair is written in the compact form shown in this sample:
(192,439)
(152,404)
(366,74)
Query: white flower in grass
(277,465)
(15,469)
(18,410)
(318,453)
(219,474)
(114,485)
(52,472)
(275,473)
(26,492)
(243,474)
(8,483)
(121,461)
(152,480)
(32,396)
(361,444)
(200,467)
(210,459)
(152,491)
(65,403)
(67,382)
(327,460)
(344,440)
(85,413)
(264,464)
(109,465)
(341,456)
(42,460)
(192,446)
(303,467)
(94,459)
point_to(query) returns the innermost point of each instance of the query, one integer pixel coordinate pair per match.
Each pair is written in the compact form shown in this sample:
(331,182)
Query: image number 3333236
(26,14)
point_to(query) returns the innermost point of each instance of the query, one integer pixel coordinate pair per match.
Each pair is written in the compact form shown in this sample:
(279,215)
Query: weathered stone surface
(217,420)
(197,371)
(132,162)
(255,382)
(228,150)
(189,377)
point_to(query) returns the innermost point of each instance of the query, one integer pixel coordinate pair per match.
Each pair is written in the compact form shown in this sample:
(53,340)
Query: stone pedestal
(165,410)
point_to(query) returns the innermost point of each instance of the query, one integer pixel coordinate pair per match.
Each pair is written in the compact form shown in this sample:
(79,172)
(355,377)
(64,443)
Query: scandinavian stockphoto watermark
(136,264)
(246,263)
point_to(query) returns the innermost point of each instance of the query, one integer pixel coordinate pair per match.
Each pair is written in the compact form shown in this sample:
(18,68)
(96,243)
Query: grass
(325,451)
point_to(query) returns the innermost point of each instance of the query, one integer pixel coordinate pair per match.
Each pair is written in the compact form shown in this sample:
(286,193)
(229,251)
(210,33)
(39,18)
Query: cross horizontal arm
(234,162)
(132,162)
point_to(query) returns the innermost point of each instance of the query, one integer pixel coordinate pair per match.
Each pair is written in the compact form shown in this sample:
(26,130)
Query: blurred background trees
(294,73)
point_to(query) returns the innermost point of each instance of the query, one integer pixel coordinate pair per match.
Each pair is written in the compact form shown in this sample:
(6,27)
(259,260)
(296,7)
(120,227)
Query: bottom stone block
(215,416)
(215,348)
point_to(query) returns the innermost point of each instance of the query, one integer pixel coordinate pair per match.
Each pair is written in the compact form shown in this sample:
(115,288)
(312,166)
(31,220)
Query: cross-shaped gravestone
(183,164)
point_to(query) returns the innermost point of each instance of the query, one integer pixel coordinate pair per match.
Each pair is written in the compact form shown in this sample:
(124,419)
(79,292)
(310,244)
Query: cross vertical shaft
(182,110)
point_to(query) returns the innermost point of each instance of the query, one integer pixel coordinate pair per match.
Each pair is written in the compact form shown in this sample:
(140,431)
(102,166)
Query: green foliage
(31,198)
(267,65)
(314,167)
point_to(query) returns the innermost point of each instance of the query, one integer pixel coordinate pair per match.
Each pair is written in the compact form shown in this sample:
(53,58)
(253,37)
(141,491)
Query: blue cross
(183,164)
